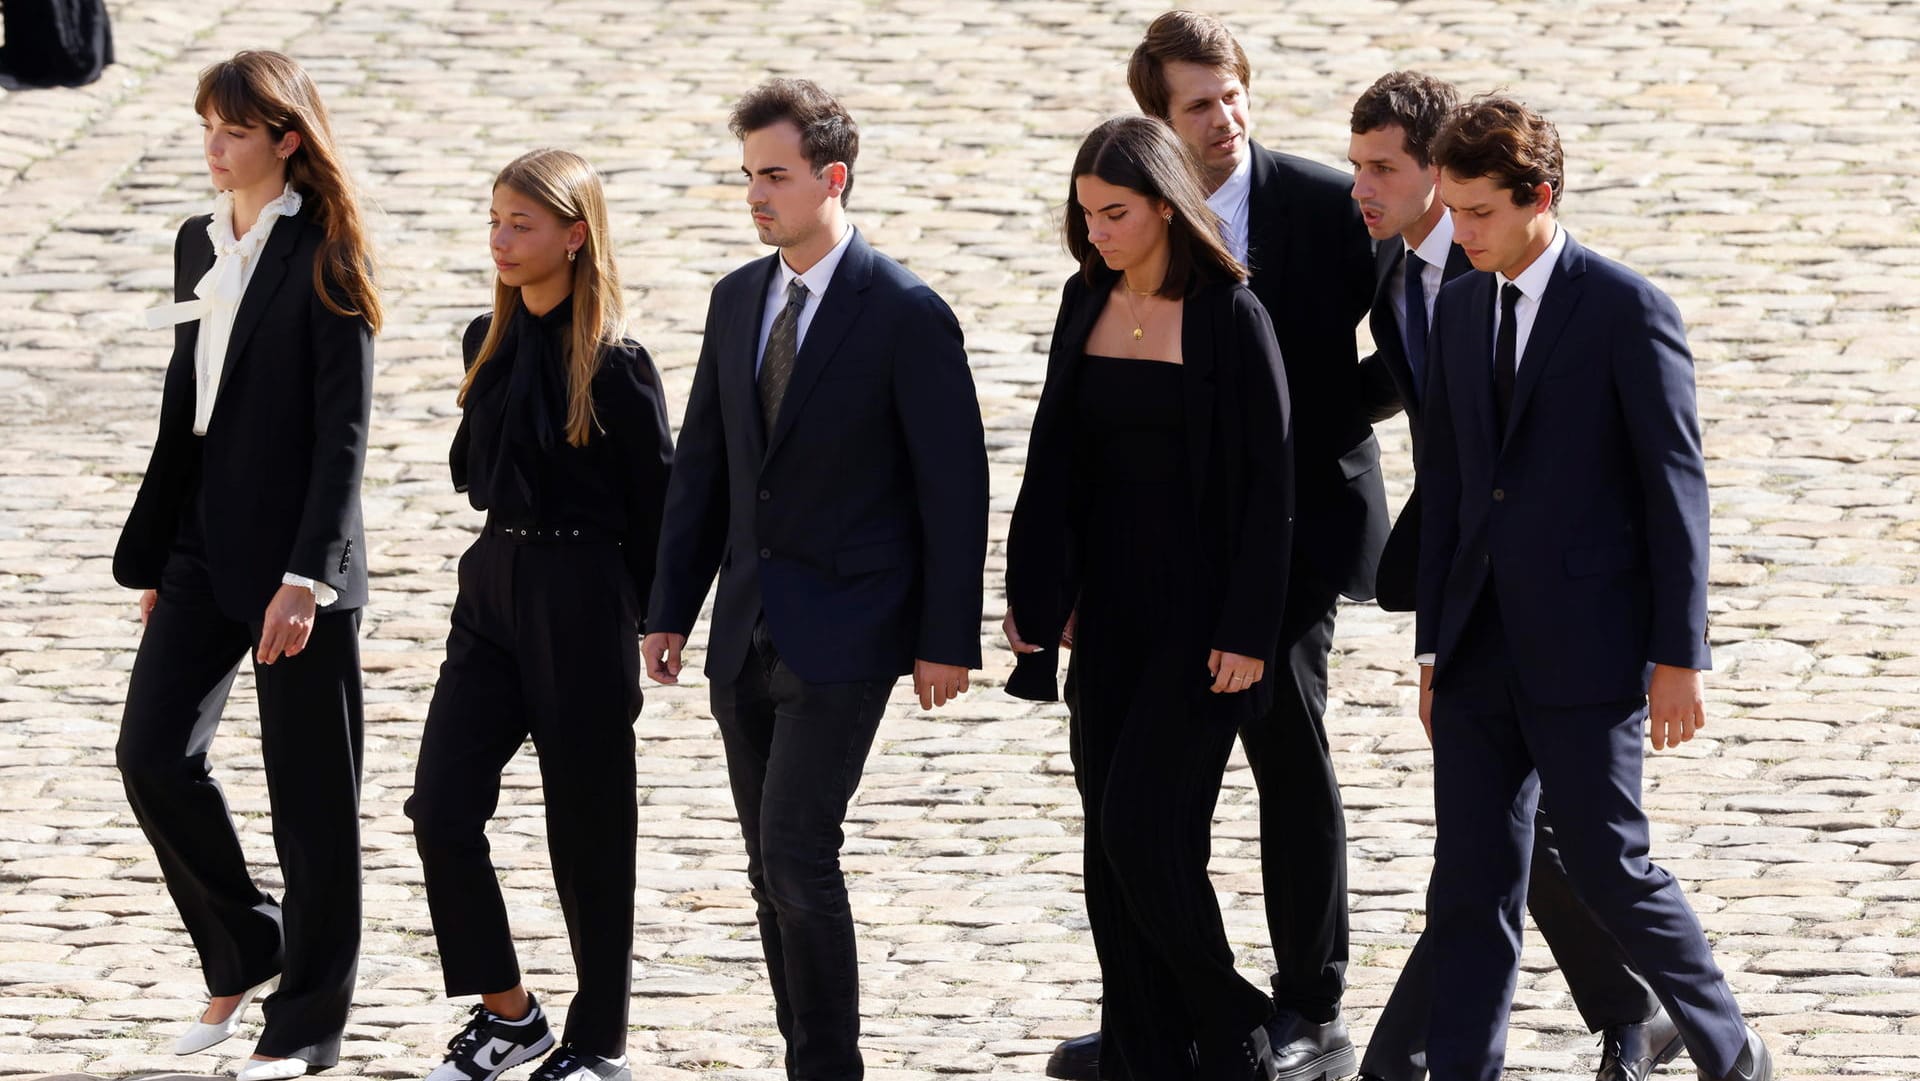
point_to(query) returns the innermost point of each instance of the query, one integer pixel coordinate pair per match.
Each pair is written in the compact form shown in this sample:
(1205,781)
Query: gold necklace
(1138,324)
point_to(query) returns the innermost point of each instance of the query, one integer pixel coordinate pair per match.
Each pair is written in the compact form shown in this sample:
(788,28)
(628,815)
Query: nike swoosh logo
(491,1056)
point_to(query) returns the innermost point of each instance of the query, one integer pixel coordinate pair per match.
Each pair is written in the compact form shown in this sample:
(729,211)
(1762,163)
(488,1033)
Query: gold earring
(571,252)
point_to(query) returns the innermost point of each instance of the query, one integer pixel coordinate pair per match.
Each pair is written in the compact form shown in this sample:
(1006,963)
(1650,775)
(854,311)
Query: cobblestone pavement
(1755,157)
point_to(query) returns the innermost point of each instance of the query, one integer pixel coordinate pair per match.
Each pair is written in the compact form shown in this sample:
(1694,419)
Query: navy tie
(1505,364)
(1416,328)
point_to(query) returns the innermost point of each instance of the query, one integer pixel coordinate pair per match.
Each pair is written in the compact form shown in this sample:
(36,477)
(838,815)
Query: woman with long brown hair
(564,443)
(246,540)
(1151,535)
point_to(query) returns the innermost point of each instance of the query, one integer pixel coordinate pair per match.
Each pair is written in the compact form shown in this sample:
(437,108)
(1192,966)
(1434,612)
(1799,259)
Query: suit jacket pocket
(1602,559)
(1361,460)
(867,558)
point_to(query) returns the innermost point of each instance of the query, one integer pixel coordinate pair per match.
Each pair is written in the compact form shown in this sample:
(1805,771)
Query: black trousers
(1606,990)
(1303,829)
(545,643)
(310,742)
(795,754)
(1496,754)
(1149,779)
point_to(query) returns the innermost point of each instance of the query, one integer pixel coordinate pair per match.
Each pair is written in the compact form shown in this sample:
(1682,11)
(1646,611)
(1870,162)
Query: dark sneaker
(569,1064)
(491,1045)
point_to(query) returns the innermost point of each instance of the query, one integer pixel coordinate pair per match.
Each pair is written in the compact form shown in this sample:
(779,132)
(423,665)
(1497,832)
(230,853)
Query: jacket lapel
(1201,333)
(1267,210)
(1556,308)
(838,310)
(267,276)
(739,377)
(1470,377)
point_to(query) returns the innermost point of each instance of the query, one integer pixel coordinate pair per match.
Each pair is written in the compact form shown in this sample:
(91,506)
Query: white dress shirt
(817,278)
(1532,283)
(1230,202)
(1434,252)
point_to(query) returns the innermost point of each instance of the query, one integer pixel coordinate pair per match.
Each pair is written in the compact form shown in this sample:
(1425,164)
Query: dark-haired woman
(246,540)
(1152,530)
(564,443)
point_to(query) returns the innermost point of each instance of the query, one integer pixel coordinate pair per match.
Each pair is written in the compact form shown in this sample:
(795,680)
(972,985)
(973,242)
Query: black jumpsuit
(545,643)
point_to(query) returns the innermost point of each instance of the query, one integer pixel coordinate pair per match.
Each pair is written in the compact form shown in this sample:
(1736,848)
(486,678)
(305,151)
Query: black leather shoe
(1306,1050)
(1754,1063)
(1631,1052)
(1248,1059)
(1077,1059)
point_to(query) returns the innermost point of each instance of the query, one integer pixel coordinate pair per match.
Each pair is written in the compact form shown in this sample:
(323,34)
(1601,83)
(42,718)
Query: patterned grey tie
(776,366)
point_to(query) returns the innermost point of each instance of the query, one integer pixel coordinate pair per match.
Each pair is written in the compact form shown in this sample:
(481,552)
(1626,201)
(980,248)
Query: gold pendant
(1137,335)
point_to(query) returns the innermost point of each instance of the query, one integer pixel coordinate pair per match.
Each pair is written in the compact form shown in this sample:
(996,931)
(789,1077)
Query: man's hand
(1233,672)
(287,625)
(1676,706)
(661,653)
(1426,701)
(938,684)
(148,598)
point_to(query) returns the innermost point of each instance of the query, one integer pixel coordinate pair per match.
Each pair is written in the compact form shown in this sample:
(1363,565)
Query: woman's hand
(148,598)
(1014,641)
(1233,672)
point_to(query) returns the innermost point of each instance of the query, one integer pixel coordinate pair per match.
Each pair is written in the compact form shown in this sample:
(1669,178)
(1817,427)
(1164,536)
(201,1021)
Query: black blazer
(279,468)
(1312,266)
(1387,386)
(1239,433)
(859,524)
(1588,514)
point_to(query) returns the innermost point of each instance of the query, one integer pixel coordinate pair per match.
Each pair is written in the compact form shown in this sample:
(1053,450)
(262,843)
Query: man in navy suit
(1290,221)
(1396,185)
(832,469)
(1562,595)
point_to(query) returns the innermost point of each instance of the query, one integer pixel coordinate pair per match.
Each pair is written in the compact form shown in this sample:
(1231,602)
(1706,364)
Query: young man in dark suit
(1291,222)
(1395,183)
(832,468)
(1562,596)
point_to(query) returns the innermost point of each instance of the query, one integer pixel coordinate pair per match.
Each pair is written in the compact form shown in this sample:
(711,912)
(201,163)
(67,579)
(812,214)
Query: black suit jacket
(1312,266)
(280,465)
(1387,381)
(1240,463)
(859,524)
(1587,515)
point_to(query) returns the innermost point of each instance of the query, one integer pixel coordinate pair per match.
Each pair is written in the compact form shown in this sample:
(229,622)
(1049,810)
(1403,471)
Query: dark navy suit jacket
(859,524)
(1386,379)
(1587,516)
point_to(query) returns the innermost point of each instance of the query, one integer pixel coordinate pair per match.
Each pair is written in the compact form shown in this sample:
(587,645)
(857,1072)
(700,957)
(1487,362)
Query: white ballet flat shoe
(202,1035)
(271,1069)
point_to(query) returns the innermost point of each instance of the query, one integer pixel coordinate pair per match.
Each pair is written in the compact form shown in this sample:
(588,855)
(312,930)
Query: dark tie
(1416,328)
(776,366)
(1504,361)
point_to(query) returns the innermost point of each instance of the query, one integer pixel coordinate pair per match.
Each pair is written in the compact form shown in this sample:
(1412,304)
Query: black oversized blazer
(1239,435)
(280,464)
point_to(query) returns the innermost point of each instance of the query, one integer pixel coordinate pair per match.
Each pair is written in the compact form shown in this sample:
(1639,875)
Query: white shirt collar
(1231,195)
(820,274)
(1434,250)
(1533,280)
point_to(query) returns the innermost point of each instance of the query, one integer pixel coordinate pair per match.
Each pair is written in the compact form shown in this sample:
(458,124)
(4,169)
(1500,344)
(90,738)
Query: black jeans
(544,644)
(310,739)
(795,753)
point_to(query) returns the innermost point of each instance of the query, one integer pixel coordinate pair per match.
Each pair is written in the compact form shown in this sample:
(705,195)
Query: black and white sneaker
(569,1064)
(491,1045)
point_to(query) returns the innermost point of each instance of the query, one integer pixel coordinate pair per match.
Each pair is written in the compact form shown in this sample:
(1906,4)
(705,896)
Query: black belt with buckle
(540,534)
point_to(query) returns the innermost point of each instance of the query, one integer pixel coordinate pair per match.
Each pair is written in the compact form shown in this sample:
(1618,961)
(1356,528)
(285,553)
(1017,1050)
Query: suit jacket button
(766,553)
(765,495)
(1499,495)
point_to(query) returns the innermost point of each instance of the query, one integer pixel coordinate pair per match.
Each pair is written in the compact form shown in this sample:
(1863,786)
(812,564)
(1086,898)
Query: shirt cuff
(1425,660)
(323,594)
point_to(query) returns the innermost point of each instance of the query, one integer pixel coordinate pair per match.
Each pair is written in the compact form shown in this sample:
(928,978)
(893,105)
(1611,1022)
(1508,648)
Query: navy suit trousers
(1497,754)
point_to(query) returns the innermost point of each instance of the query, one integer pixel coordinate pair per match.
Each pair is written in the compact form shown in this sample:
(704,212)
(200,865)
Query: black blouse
(511,454)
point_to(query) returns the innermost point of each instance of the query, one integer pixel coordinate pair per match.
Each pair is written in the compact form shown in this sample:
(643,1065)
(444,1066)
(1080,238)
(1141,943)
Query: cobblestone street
(1758,159)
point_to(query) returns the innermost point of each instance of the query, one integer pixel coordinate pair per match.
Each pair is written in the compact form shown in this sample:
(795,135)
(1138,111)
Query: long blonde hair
(269,89)
(565,184)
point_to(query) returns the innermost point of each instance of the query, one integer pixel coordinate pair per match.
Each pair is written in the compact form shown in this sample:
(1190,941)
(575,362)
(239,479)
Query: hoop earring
(572,253)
